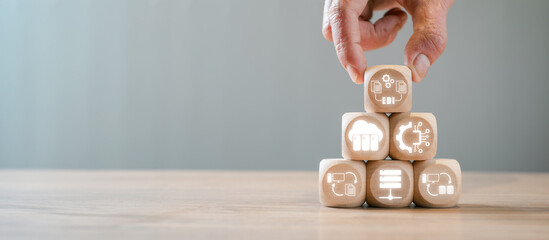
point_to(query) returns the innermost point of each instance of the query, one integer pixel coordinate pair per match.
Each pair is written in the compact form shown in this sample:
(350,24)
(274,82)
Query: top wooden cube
(388,89)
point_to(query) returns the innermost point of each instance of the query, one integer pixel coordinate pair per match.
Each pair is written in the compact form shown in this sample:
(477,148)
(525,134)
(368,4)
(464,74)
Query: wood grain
(260,205)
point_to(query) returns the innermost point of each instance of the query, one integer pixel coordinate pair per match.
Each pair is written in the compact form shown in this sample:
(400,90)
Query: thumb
(429,38)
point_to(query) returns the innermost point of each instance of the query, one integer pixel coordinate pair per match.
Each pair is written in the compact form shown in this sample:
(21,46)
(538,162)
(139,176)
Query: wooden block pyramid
(364,174)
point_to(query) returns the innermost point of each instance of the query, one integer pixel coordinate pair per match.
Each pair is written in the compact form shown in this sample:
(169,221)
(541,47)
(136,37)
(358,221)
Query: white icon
(401,87)
(390,179)
(350,190)
(387,80)
(365,136)
(376,88)
(339,178)
(422,137)
(435,178)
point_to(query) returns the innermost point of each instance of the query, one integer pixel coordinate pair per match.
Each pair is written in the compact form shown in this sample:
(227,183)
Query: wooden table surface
(253,205)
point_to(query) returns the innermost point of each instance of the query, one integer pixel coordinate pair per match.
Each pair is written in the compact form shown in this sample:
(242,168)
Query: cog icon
(388,80)
(422,137)
(399,139)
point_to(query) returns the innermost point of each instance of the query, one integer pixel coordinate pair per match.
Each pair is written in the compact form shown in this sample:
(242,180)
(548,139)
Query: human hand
(346,24)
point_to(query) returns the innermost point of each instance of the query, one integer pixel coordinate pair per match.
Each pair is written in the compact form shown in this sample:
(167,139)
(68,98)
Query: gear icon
(388,80)
(399,139)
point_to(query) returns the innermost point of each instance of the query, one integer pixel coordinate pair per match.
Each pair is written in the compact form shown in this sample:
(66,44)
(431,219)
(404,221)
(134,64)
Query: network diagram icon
(389,183)
(390,179)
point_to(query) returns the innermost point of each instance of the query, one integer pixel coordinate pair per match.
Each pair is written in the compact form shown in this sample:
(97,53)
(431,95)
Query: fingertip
(421,65)
(415,76)
(360,79)
(356,75)
(423,49)
(327,32)
(353,73)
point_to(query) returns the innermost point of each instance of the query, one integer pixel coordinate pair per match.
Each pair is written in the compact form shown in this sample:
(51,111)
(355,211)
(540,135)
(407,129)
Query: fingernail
(422,64)
(353,73)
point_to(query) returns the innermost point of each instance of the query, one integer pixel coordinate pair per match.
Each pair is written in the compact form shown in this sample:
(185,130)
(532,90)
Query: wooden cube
(387,89)
(437,183)
(365,136)
(342,183)
(389,183)
(413,136)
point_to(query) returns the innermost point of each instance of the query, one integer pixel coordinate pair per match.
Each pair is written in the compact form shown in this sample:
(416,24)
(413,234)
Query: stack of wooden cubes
(366,175)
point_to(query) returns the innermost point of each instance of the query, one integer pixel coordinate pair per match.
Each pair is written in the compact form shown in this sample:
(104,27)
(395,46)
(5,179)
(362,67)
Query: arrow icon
(434,195)
(356,179)
(333,190)
(449,178)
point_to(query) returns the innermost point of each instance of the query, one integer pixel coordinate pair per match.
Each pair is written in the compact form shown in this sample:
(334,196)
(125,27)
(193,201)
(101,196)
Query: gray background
(251,85)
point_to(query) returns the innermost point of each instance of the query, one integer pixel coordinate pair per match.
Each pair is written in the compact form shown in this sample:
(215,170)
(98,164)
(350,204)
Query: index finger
(345,28)
(326,27)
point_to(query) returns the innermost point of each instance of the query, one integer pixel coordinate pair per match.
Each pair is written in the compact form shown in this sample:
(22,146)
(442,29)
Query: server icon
(390,179)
